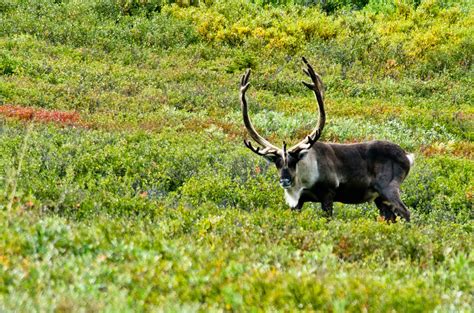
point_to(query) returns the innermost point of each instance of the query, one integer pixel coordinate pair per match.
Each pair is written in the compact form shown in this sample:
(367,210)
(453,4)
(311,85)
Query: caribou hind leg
(388,187)
(385,210)
(391,195)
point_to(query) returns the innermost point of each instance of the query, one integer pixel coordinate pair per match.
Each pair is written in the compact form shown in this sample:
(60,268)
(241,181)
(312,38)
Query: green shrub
(441,187)
(8,64)
(101,25)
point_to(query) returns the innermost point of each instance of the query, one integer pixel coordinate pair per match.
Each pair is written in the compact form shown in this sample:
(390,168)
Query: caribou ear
(271,157)
(299,154)
(302,154)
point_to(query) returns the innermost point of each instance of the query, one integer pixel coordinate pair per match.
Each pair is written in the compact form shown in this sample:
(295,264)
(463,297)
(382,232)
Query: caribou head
(285,159)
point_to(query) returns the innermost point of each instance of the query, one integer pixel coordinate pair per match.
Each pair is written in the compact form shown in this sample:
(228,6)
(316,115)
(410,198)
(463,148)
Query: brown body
(326,172)
(353,173)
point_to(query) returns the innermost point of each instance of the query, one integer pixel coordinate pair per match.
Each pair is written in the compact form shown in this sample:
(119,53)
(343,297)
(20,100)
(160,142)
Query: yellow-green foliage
(272,28)
(429,36)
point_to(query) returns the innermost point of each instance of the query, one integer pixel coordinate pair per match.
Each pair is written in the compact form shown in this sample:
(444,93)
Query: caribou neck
(307,174)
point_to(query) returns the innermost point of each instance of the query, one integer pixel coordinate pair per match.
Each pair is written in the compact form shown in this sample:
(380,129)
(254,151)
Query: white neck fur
(307,174)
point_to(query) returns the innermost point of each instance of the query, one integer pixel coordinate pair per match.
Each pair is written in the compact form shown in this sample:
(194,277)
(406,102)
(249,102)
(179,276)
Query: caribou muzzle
(285,183)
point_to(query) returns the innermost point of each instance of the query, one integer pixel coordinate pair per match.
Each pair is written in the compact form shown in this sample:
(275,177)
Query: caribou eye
(278,161)
(292,162)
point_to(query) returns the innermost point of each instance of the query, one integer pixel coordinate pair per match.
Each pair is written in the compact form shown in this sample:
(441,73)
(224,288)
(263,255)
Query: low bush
(68,169)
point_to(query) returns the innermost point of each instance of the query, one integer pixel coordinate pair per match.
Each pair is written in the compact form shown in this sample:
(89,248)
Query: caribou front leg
(327,208)
(327,201)
(299,206)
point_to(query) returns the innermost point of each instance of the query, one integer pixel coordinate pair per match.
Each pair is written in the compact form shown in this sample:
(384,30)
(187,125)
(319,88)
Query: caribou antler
(317,87)
(257,150)
(268,147)
(307,143)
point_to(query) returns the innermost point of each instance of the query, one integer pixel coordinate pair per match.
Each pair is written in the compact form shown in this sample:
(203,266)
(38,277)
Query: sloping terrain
(125,185)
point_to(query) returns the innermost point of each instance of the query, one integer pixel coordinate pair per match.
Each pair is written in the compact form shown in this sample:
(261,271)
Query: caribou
(313,171)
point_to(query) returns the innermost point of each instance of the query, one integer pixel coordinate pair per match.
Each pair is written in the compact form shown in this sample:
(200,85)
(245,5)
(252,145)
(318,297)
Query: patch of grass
(152,263)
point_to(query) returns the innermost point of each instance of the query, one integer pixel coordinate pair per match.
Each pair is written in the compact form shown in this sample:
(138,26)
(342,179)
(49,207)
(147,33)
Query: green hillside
(125,185)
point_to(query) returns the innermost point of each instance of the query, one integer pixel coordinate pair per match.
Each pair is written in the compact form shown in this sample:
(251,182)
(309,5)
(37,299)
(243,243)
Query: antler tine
(316,79)
(317,87)
(244,84)
(248,144)
(257,150)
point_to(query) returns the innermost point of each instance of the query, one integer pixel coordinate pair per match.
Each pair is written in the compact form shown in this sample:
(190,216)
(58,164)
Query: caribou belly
(354,195)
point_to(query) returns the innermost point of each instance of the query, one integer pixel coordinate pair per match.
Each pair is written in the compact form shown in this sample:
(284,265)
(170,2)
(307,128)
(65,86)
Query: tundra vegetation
(125,184)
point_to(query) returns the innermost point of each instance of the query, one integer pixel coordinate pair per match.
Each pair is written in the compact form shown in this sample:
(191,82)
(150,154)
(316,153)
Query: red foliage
(39,115)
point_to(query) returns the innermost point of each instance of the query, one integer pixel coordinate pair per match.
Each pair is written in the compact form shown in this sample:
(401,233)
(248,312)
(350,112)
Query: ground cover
(125,186)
